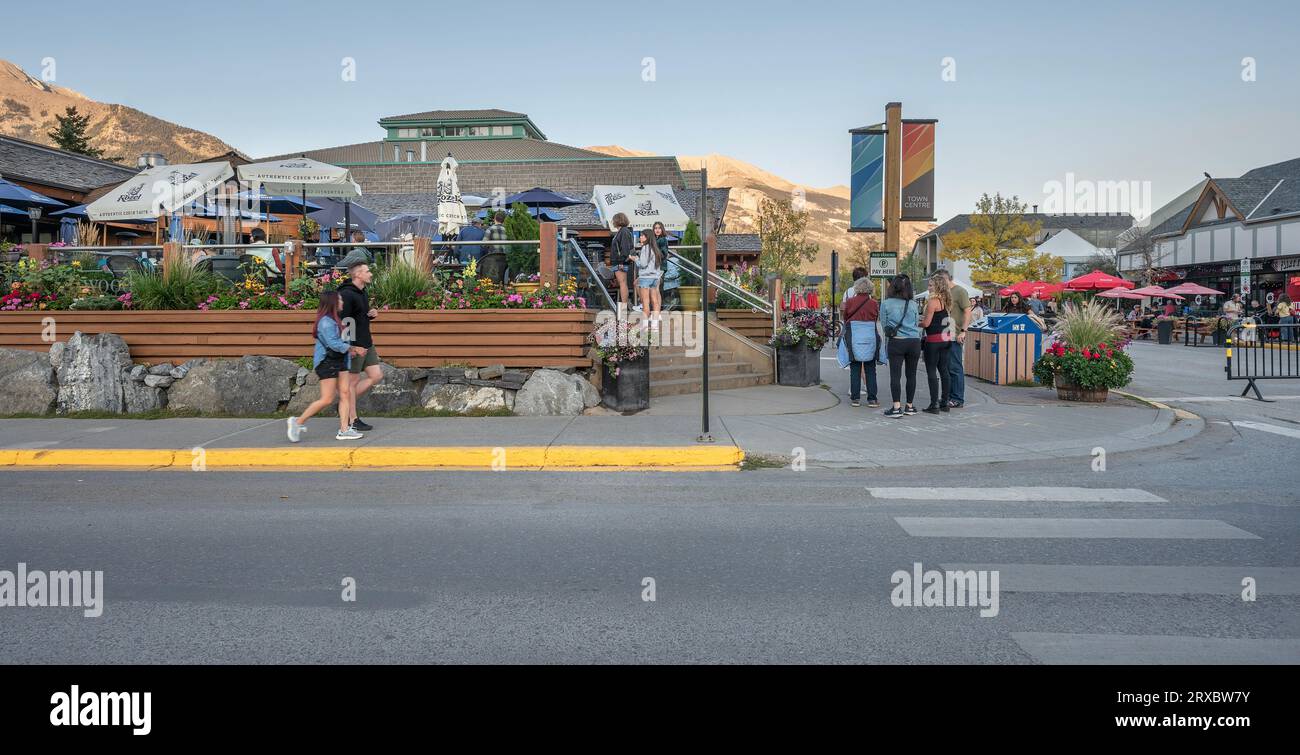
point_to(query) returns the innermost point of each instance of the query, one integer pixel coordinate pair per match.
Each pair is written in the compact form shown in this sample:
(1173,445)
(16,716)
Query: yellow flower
(76,263)
(42,305)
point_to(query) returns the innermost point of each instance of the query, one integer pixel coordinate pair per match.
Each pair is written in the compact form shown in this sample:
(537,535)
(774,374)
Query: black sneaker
(945,407)
(873,404)
(909,410)
(894,413)
(360,426)
(956,404)
(931,409)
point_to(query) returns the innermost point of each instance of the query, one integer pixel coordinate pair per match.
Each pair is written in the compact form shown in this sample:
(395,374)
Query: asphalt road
(771,565)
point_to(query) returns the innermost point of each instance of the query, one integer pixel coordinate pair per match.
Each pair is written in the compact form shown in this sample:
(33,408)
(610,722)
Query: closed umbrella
(451,209)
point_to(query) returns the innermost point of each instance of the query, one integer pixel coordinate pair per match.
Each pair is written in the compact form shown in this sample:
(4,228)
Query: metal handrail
(754,300)
(582,256)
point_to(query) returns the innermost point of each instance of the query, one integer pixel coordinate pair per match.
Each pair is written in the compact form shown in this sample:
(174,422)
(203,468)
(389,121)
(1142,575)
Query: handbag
(893,332)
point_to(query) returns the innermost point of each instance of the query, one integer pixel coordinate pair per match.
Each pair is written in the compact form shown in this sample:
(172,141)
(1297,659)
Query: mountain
(828,207)
(28,106)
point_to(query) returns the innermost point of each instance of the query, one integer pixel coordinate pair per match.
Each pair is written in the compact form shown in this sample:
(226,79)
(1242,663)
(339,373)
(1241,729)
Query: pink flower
(243,304)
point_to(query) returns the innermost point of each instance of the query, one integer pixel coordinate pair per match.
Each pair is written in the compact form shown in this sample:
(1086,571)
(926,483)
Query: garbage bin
(1003,349)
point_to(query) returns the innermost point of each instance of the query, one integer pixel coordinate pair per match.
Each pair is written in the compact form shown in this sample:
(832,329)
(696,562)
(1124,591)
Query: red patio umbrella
(1158,292)
(1119,292)
(1097,281)
(1041,289)
(1193,289)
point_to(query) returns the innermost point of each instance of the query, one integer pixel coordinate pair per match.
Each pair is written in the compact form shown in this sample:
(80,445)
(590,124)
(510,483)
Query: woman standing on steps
(332,357)
(898,321)
(938,340)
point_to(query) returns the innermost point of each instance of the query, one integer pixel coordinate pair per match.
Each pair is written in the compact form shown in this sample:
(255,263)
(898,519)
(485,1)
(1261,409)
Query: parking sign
(884,264)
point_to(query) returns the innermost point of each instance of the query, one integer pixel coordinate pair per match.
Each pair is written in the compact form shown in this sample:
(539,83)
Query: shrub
(1089,325)
(399,286)
(1091,368)
(180,286)
(808,327)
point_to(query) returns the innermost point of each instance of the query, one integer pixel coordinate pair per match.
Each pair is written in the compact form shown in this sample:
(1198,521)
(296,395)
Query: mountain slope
(828,208)
(28,106)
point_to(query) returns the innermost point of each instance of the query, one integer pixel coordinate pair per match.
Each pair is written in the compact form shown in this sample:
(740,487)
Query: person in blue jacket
(332,357)
(898,319)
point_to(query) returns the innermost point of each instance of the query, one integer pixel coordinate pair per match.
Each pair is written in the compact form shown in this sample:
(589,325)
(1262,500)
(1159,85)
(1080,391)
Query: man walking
(356,316)
(959,311)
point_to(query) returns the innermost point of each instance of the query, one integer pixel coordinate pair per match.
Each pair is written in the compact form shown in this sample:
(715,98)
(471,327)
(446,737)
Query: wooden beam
(423,255)
(547,249)
(893,173)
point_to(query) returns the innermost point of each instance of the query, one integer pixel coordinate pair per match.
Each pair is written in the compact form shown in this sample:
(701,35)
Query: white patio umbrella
(303,175)
(451,210)
(159,191)
(643,205)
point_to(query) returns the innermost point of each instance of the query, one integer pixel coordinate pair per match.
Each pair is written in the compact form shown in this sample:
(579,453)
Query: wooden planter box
(756,326)
(1066,390)
(406,337)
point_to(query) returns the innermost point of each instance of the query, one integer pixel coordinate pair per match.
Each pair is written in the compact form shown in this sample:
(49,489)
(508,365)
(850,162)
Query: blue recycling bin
(1002,348)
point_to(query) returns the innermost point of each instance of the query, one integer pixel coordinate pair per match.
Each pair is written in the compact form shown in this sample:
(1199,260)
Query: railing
(751,299)
(1262,351)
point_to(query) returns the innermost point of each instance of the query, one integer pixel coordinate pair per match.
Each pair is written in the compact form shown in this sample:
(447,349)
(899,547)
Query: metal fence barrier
(1262,351)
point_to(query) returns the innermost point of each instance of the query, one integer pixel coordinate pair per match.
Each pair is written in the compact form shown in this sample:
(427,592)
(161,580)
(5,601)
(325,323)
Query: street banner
(918,170)
(867,180)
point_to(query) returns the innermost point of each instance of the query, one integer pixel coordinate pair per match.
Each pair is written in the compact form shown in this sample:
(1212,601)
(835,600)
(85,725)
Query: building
(497,151)
(58,174)
(1098,231)
(1236,235)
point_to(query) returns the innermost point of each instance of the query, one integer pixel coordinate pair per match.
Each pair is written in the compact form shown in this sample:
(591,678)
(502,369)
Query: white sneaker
(293,429)
(637,308)
(348,434)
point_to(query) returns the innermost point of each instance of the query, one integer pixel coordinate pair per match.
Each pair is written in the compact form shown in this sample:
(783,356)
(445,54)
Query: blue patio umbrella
(332,216)
(412,223)
(7,210)
(273,203)
(21,198)
(540,197)
(541,213)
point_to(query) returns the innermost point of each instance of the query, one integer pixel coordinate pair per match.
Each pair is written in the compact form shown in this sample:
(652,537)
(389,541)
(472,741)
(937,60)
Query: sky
(1025,93)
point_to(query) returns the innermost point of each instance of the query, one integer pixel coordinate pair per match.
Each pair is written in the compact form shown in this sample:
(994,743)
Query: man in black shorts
(356,315)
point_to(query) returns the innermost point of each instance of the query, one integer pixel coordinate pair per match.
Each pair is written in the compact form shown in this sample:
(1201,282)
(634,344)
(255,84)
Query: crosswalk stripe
(1066,494)
(1025,527)
(1119,649)
(1147,580)
(1267,428)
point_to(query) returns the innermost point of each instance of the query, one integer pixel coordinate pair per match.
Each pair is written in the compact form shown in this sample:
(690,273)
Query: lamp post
(35,214)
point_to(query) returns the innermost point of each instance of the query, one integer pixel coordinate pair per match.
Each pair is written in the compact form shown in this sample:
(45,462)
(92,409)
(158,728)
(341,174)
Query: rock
(158,381)
(56,353)
(471,373)
(182,370)
(549,392)
(445,374)
(92,371)
(416,374)
(464,398)
(27,382)
(301,377)
(394,393)
(590,396)
(138,373)
(515,376)
(308,393)
(491,371)
(142,397)
(161,369)
(238,387)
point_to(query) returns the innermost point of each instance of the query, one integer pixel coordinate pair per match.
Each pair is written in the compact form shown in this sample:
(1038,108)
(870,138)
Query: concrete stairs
(672,372)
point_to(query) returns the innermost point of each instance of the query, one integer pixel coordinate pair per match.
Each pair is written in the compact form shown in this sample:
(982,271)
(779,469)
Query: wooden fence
(408,338)
(756,326)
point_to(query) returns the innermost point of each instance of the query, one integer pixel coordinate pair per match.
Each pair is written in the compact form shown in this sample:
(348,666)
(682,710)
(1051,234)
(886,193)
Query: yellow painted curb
(370,457)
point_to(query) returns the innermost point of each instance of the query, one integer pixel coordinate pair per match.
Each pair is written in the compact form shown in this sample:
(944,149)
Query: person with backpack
(861,345)
(898,321)
(330,361)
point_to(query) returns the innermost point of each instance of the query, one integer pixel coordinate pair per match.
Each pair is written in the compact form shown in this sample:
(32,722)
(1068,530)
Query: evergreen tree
(520,226)
(71,133)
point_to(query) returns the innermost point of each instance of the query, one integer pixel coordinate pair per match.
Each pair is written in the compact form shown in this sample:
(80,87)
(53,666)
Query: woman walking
(899,322)
(331,358)
(649,270)
(939,335)
(861,312)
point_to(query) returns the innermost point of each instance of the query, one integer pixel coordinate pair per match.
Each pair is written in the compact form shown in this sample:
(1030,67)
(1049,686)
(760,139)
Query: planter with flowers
(624,357)
(527,284)
(1088,358)
(798,345)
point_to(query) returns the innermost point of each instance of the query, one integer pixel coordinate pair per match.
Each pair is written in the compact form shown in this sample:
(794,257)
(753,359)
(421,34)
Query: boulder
(182,370)
(491,371)
(143,397)
(161,369)
(590,396)
(92,371)
(26,382)
(416,374)
(394,393)
(549,392)
(301,377)
(158,381)
(464,398)
(238,387)
(138,373)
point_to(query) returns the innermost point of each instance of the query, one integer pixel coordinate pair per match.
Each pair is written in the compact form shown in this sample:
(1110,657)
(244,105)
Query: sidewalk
(997,424)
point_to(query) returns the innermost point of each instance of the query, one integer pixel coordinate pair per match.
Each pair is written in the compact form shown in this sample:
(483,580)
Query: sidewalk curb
(386,457)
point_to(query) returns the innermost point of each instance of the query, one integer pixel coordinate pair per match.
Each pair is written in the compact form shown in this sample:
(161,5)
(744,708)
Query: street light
(35,214)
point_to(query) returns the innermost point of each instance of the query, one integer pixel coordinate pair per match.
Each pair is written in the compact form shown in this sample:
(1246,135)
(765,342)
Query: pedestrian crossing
(1262,582)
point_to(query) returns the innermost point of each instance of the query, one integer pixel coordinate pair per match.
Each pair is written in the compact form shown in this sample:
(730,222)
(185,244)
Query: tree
(999,244)
(691,237)
(1145,258)
(785,251)
(71,135)
(1103,260)
(1039,266)
(521,226)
